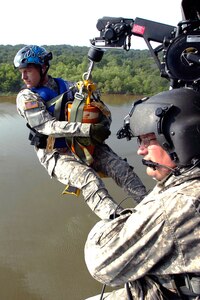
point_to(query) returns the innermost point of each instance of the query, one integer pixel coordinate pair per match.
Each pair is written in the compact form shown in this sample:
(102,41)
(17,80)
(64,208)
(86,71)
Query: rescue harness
(82,106)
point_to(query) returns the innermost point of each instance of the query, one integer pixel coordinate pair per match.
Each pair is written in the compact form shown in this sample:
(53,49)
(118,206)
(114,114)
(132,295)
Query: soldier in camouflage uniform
(153,250)
(58,159)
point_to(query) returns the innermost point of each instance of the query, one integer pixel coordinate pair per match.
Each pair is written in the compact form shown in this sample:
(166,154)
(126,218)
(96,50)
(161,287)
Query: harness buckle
(79,96)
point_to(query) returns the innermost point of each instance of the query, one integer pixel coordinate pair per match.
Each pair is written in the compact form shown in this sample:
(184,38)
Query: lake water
(42,232)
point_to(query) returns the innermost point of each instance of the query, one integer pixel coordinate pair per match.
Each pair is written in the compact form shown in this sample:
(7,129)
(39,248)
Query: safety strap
(37,139)
(76,115)
(57,101)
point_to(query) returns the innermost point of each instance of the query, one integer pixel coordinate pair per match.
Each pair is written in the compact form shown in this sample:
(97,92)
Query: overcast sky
(73,23)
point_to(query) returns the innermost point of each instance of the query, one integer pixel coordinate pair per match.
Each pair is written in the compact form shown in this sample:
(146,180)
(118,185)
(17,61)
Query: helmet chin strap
(155,166)
(43,74)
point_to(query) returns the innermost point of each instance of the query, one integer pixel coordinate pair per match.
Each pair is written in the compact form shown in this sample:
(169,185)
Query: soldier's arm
(32,108)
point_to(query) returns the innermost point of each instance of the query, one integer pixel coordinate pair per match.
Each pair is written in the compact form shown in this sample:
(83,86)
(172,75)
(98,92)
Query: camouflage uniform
(146,245)
(68,169)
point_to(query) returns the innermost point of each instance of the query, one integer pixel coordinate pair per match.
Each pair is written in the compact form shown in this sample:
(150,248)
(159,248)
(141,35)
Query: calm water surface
(42,232)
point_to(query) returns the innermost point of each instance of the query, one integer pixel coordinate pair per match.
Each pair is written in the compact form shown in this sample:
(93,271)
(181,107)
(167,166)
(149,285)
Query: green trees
(119,72)
(10,81)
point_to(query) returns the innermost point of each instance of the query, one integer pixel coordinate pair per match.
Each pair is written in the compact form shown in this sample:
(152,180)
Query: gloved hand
(99,133)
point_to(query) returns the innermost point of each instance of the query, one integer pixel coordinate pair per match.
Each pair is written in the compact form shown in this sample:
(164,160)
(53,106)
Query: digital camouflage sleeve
(160,236)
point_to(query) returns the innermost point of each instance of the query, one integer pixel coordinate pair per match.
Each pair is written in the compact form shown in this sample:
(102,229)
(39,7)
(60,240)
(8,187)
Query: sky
(73,23)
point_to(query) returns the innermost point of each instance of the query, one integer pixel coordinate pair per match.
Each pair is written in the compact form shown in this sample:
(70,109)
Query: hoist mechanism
(86,87)
(175,49)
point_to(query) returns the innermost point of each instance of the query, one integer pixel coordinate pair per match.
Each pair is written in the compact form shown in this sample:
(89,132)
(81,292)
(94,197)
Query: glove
(99,133)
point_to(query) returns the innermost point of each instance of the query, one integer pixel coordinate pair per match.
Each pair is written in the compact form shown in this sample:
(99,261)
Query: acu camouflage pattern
(160,237)
(63,165)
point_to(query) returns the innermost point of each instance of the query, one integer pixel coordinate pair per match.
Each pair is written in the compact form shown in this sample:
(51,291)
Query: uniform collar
(171,180)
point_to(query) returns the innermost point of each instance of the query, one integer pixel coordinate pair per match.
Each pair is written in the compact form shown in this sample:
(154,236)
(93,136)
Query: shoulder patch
(30,104)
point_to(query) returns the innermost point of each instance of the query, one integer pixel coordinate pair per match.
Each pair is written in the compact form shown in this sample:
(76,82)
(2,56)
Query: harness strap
(37,139)
(76,115)
(57,102)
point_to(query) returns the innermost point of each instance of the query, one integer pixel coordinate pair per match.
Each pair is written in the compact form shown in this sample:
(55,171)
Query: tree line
(119,71)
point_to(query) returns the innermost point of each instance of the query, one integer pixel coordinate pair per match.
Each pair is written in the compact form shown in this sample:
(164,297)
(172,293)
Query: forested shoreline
(119,72)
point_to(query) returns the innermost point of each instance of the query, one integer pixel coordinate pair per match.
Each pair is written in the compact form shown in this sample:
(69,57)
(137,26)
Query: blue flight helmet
(174,117)
(32,54)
